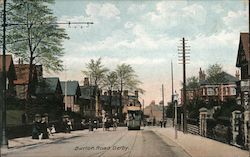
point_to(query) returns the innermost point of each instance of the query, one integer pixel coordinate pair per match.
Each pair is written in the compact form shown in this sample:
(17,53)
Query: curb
(43,143)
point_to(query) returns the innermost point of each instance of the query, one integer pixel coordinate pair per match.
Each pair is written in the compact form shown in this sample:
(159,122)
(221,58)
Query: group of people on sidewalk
(163,123)
(109,122)
(41,129)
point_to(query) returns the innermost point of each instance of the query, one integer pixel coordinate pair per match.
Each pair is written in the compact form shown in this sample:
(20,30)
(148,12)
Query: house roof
(226,78)
(114,101)
(49,86)
(22,72)
(244,42)
(72,88)
(87,92)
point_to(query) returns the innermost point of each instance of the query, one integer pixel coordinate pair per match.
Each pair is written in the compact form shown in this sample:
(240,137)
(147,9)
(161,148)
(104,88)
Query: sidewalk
(198,146)
(28,141)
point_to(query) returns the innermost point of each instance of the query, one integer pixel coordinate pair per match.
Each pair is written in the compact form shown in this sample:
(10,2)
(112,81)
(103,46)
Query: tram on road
(134,117)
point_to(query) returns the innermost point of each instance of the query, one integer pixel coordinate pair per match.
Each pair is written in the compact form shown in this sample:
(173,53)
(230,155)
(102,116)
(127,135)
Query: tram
(134,117)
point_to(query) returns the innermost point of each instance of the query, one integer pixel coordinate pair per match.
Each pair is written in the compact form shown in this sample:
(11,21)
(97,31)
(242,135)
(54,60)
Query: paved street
(143,143)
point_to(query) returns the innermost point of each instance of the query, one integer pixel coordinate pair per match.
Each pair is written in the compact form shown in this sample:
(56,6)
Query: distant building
(71,93)
(22,81)
(154,111)
(110,101)
(221,90)
(87,99)
(10,75)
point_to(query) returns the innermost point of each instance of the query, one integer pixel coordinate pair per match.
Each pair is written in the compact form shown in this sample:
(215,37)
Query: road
(119,143)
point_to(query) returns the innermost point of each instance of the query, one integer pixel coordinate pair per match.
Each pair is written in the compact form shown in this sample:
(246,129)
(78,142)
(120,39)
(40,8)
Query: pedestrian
(164,123)
(52,130)
(114,124)
(83,124)
(95,124)
(161,123)
(36,131)
(44,129)
(69,125)
(90,125)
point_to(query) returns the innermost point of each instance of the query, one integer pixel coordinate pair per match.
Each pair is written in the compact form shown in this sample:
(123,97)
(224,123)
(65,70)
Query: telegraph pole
(163,117)
(4,141)
(184,59)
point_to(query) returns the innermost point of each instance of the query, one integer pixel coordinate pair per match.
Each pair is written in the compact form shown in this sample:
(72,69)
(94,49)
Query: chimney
(86,81)
(203,75)
(137,94)
(200,75)
(237,74)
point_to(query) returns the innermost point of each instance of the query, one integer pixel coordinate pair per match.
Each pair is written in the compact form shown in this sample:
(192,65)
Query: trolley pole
(172,96)
(163,112)
(175,120)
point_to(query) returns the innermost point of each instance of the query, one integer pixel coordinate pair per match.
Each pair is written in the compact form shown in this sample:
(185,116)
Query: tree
(215,73)
(35,38)
(127,80)
(110,82)
(96,71)
(193,82)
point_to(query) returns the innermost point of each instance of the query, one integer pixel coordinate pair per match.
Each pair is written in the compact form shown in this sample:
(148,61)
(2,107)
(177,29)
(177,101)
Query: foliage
(193,82)
(215,74)
(35,37)
(170,110)
(127,78)
(110,80)
(227,108)
(96,71)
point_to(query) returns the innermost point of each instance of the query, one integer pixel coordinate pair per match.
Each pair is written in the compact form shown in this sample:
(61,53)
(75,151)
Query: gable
(243,55)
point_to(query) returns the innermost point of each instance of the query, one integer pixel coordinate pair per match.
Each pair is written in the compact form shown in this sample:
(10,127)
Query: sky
(146,34)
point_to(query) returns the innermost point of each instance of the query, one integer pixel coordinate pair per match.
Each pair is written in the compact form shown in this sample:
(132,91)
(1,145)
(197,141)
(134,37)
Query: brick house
(221,90)
(22,81)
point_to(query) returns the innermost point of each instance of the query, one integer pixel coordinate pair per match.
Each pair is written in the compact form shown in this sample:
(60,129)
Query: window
(233,91)
(210,91)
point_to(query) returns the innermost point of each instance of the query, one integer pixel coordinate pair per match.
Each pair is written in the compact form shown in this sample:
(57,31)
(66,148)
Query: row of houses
(69,96)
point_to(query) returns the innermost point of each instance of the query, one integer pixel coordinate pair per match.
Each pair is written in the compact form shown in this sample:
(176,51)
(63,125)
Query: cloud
(233,20)
(128,25)
(106,10)
(135,8)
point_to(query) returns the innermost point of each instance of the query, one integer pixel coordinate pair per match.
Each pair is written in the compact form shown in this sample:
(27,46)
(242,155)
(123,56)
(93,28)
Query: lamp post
(175,120)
